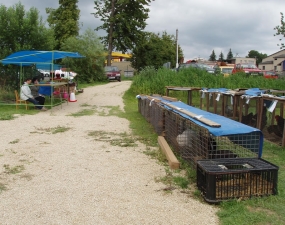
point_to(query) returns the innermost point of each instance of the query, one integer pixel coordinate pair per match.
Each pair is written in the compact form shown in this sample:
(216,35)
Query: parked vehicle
(113,73)
(270,75)
(247,68)
(225,70)
(196,65)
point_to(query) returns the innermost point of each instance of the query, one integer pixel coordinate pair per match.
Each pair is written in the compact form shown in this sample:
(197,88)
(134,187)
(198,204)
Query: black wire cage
(223,179)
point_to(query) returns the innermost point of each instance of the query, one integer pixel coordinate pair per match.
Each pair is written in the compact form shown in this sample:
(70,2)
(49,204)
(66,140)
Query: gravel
(73,177)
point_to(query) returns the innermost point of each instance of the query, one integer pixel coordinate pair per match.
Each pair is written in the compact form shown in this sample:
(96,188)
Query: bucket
(72,97)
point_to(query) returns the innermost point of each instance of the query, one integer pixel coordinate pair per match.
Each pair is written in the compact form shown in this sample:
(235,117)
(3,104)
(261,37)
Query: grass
(254,211)
(13,170)
(115,139)
(54,130)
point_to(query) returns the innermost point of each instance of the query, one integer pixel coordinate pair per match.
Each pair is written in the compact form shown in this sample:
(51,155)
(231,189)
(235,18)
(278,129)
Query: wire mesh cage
(210,101)
(193,141)
(157,116)
(274,129)
(223,179)
(144,106)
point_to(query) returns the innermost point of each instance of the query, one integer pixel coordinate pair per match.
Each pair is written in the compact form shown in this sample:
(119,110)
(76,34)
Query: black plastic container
(224,179)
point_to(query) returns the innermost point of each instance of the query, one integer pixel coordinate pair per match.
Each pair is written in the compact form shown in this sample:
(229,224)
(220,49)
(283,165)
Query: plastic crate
(224,179)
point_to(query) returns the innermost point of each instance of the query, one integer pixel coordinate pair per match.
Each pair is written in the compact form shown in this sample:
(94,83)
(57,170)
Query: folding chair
(20,101)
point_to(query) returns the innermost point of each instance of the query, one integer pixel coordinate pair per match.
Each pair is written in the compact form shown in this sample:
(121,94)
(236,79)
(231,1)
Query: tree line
(251,54)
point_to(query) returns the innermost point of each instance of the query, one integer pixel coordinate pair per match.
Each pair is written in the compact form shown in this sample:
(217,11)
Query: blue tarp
(254,92)
(46,90)
(28,58)
(48,67)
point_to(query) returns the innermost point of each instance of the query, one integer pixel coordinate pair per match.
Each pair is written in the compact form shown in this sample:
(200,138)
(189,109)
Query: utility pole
(177,49)
(110,46)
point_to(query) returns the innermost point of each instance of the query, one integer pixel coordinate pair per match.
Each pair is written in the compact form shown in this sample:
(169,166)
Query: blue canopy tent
(28,58)
(37,58)
(43,58)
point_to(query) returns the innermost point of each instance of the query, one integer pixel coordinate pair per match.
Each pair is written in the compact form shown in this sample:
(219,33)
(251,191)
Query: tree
(123,21)
(230,55)
(280,30)
(64,21)
(258,56)
(212,56)
(90,68)
(221,57)
(23,30)
(155,50)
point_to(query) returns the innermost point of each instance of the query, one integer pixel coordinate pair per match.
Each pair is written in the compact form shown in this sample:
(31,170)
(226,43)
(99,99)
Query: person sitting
(26,95)
(35,91)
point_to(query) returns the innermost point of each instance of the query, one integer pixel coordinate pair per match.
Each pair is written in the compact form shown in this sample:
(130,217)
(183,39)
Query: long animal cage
(223,179)
(194,140)
(144,106)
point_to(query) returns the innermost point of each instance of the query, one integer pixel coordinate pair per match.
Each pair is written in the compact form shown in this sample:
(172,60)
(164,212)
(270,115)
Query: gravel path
(79,177)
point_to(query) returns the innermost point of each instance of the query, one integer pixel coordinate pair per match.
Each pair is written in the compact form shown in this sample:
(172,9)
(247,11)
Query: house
(241,60)
(275,62)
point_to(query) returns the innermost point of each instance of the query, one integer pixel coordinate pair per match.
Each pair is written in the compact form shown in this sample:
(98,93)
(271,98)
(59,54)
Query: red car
(270,75)
(113,73)
(248,68)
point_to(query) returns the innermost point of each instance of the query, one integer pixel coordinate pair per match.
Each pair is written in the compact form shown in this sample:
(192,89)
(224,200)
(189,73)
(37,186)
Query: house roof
(266,62)
(279,56)
(27,58)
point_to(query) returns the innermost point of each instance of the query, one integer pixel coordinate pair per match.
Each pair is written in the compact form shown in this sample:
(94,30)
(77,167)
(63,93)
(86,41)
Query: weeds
(84,112)
(15,141)
(13,170)
(120,139)
(54,130)
(2,187)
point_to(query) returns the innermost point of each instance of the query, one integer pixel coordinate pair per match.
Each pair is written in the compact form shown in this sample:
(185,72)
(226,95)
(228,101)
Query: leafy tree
(64,20)
(230,55)
(280,30)
(90,68)
(258,56)
(155,50)
(123,21)
(212,56)
(221,57)
(23,30)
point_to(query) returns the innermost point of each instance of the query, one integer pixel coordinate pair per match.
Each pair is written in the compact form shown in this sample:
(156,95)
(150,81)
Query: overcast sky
(203,26)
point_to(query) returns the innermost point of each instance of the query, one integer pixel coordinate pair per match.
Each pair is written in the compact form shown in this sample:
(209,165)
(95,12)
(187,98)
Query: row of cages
(264,112)
(227,166)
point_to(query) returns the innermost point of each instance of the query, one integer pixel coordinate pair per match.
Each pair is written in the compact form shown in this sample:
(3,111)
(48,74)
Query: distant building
(275,62)
(236,60)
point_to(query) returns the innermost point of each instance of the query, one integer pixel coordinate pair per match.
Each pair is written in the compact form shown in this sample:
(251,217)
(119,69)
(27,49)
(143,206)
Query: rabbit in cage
(186,138)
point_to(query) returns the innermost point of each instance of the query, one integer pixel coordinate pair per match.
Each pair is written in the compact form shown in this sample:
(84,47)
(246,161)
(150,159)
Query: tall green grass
(151,81)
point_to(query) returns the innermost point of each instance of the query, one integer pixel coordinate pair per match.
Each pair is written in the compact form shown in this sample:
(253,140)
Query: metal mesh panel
(157,117)
(143,105)
(193,142)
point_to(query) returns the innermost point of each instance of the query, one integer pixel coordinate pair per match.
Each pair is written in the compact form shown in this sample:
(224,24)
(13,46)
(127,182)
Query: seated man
(26,95)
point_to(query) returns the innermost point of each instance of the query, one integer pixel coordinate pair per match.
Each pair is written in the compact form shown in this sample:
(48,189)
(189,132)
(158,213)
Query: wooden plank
(170,98)
(195,116)
(172,160)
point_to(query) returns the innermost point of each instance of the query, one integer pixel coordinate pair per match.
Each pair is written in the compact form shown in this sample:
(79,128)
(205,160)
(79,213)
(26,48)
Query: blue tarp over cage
(228,127)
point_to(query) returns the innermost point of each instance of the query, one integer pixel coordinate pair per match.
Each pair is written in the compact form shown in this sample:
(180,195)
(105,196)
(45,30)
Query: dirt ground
(59,169)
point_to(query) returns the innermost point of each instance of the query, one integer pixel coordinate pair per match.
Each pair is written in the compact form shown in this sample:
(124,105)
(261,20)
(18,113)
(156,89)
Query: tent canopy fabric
(28,58)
